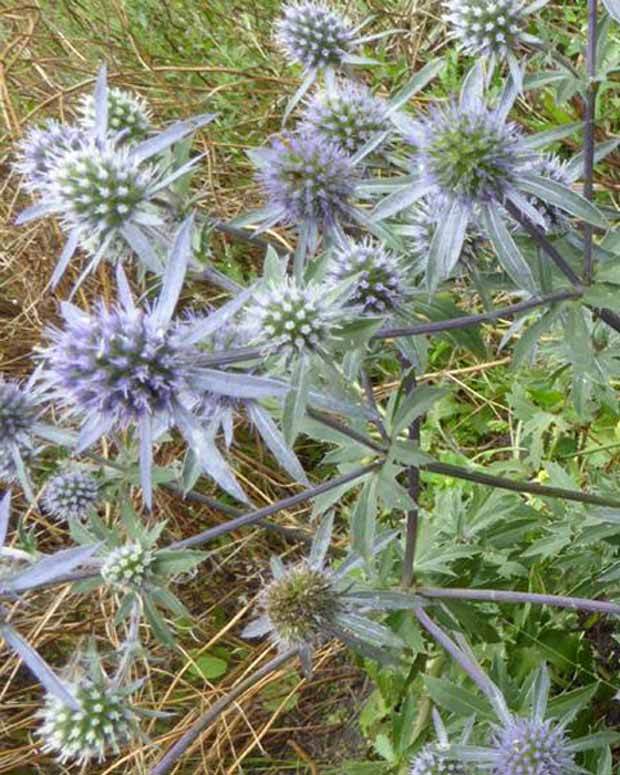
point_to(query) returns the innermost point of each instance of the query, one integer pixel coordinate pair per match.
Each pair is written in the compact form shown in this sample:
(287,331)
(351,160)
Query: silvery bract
(126,366)
(109,194)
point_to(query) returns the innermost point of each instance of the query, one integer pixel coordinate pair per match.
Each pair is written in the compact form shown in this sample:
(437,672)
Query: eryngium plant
(100,725)
(127,366)
(532,747)
(379,278)
(307,604)
(128,114)
(70,495)
(347,114)
(473,162)
(108,193)
(306,180)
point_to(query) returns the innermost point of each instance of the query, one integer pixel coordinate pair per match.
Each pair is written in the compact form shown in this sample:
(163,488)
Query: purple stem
(588,142)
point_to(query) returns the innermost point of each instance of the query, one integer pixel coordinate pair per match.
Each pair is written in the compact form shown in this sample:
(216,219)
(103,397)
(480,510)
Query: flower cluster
(18,413)
(289,318)
(347,115)
(306,179)
(313,35)
(431,761)
(380,283)
(128,114)
(127,566)
(102,722)
(532,747)
(486,26)
(70,495)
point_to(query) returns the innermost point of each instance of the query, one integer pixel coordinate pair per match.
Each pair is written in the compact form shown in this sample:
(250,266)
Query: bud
(70,495)
(127,113)
(127,566)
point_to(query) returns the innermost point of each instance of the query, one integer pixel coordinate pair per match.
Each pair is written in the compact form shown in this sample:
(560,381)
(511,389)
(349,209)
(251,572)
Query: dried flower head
(380,285)
(348,115)
(289,318)
(127,113)
(431,761)
(102,723)
(127,566)
(532,747)
(487,26)
(313,35)
(306,179)
(70,495)
(40,150)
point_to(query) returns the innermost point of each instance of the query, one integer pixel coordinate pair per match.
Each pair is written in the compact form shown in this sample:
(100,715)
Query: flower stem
(588,142)
(505,596)
(473,670)
(169,759)
(413,482)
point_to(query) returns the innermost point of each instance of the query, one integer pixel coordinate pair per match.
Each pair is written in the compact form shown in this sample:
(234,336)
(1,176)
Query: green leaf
(414,404)
(508,253)
(408,453)
(563,197)
(169,562)
(455,699)
(364,518)
(208,667)
(296,401)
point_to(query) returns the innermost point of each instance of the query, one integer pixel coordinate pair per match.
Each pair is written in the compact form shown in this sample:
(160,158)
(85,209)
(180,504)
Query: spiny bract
(17,414)
(102,724)
(347,115)
(127,113)
(306,179)
(301,605)
(431,761)
(127,566)
(380,278)
(70,495)
(485,26)
(530,747)
(313,35)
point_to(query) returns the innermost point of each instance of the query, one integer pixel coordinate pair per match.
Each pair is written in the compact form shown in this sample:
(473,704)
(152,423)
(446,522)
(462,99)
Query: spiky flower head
(70,495)
(102,723)
(469,154)
(532,747)
(420,225)
(380,284)
(553,168)
(289,318)
(127,113)
(118,362)
(431,761)
(348,115)
(486,26)
(127,566)
(41,149)
(18,413)
(301,605)
(306,179)
(313,35)
(99,188)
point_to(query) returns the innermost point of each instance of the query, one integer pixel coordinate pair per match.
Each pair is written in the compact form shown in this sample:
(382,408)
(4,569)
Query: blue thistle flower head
(128,114)
(486,26)
(380,285)
(18,414)
(348,115)
(469,153)
(431,761)
(70,495)
(40,150)
(127,567)
(97,727)
(313,35)
(291,319)
(532,747)
(306,179)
